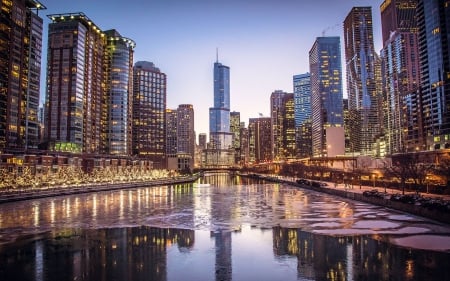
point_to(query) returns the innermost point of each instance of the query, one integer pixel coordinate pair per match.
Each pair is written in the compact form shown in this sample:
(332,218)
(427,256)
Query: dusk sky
(264,42)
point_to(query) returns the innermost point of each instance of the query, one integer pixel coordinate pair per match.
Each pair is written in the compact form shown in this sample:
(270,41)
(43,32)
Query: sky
(264,42)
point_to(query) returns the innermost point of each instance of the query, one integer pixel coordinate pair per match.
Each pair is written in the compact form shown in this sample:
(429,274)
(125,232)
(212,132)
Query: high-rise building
(219,115)
(363,95)
(149,113)
(220,152)
(244,145)
(260,139)
(20,62)
(433,20)
(276,115)
(185,137)
(75,95)
(235,129)
(171,139)
(89,86)
(402,128)
(302,114)
(326,92)
(119,94)
(202,141)
(288,132)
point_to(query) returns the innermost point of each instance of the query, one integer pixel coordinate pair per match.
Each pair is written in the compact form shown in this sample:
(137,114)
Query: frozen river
(225,228)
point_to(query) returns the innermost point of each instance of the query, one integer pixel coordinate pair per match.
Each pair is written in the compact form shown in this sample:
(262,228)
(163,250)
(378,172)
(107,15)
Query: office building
(433,20)
(363,95)
(260,140)
(302,114)
(202,143)
(235,129)
(402,128)
(276,115)
(20,62)
(171,139)
(326,92)
(185,137)
(289,148)
(149,113)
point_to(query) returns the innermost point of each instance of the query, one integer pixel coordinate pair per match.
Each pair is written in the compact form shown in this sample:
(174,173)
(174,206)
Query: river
(220,228)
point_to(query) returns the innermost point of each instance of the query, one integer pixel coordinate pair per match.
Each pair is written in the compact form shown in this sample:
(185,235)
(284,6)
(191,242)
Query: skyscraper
(260,140)
(302,114)
(20,62)
(220,150)
(171,139)
(219,115)
(326,92)
(433,20)
(185,136)
(363,95)
(235,129)
(75,95)
(119,94)
(276,115)
(288,132)
(149,113)
(89,86)
(401,79)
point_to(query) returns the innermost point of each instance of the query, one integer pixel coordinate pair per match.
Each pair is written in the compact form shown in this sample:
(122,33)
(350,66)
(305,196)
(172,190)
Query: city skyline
(264,53)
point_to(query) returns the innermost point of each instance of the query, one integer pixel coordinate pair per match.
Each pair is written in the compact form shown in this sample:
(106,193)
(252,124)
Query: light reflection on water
(234,229)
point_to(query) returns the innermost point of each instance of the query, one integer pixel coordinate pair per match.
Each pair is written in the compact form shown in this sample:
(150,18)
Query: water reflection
(148,253)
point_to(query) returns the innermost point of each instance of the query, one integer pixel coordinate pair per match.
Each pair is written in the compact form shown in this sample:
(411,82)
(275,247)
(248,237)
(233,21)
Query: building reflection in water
(322,257)
(138,253)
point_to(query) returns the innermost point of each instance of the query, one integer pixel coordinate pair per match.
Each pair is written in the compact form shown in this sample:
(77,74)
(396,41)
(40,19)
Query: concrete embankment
(27,194)
(418,210)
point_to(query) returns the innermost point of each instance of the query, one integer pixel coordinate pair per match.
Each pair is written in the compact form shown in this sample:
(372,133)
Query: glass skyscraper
(326,90)
(363,95)
(119,94)
(302,113)
(433,20)
(219,115)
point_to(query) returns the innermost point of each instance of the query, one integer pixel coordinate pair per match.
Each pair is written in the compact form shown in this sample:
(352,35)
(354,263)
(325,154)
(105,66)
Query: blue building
(219,115)
(302,113)
(326,92)
(433,19)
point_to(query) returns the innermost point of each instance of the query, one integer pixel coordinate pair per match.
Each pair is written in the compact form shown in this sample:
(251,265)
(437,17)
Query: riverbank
(357,193)
(35,193)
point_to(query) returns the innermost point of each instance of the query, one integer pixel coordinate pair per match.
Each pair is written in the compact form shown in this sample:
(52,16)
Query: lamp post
(426,178)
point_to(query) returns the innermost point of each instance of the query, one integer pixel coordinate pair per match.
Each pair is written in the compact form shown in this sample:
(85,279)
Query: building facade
(235,129)
(302,114)
(185,137)
(75,84)
(20,61)
(326,91)
(116,136)
(433,20)
(171,139)
(149,113)
(401,77)
(219,115)
(289,147)
(363,95)
(260,140)
(276,115)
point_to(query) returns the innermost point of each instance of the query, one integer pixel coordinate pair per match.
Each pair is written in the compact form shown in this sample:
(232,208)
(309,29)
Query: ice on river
(217,208)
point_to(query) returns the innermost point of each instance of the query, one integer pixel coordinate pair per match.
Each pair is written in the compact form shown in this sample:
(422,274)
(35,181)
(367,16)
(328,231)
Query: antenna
(217,54)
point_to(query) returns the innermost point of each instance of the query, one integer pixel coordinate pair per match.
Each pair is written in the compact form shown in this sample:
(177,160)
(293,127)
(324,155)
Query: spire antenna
(217,54)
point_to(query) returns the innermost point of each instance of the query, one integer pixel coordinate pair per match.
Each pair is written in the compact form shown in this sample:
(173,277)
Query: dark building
(20,64)
(433,20)
(149,113)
